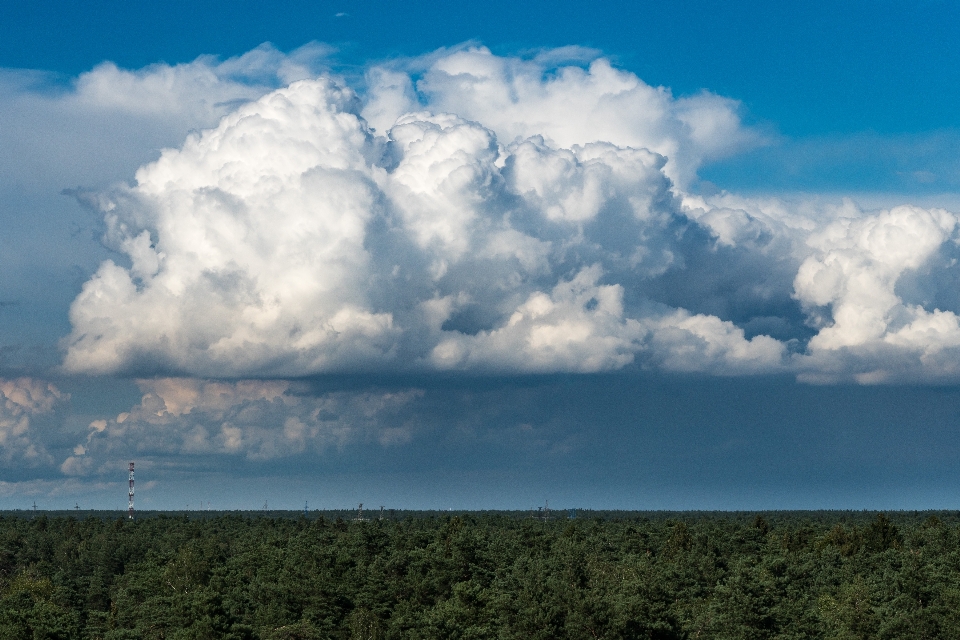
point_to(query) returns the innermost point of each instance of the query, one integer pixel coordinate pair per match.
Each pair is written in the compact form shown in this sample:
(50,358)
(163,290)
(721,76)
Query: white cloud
(198,91)
(579,326)
(115,119)
(259,251)
(567,105)
(446,173)
(681,341)
(22,400)
(849,285)
(58,134)
(291,240)
(501,215)
(254,419)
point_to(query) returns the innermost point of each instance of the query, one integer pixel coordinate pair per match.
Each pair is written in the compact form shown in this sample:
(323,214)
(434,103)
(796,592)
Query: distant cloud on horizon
(258,420)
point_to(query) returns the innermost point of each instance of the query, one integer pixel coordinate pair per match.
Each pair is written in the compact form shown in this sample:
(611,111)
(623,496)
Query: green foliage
(475,576)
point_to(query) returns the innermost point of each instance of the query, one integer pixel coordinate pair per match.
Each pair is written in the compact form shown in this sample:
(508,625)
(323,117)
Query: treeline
(738,576)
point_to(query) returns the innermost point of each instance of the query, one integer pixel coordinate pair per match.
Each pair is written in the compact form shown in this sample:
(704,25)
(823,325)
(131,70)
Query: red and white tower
(130,495)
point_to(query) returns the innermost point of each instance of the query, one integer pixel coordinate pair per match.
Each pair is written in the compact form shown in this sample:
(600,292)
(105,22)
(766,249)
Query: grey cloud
(254,420)
(23,403)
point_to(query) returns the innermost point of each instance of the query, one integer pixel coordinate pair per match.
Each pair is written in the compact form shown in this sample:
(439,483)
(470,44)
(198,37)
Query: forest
(287,576)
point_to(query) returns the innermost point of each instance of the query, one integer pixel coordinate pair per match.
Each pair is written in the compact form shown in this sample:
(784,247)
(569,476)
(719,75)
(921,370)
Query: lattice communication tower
(130,495)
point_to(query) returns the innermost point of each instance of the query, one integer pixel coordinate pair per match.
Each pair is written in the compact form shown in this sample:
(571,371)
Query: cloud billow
(254,419)
(22,402)
(470,212)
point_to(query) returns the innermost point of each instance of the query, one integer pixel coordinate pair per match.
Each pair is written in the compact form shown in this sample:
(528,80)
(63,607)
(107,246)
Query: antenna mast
(130,495)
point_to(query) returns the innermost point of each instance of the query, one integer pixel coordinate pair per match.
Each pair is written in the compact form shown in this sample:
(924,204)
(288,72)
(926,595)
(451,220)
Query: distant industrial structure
(130,495)
(542,513)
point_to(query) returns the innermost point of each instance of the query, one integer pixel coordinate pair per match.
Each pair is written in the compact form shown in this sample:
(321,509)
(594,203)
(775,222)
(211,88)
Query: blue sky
(624,255)
(810,69)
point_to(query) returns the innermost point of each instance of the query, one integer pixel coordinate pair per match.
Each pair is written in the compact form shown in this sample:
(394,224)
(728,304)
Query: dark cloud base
(610,441)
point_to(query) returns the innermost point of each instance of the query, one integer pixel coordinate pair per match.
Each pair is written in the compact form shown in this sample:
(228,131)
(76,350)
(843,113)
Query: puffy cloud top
(470,212)
(853,276)
(567,105)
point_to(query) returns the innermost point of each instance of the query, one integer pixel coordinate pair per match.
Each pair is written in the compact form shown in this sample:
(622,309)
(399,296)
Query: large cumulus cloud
(251,239)
(291,240)
(469,212)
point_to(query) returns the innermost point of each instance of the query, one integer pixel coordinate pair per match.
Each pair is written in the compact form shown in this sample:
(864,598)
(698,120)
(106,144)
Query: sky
(616,255)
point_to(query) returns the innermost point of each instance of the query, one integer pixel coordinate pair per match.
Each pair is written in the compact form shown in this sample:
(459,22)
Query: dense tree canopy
(743,576)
